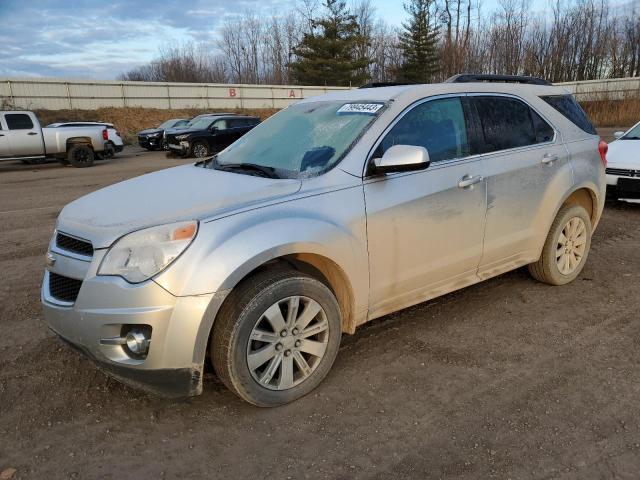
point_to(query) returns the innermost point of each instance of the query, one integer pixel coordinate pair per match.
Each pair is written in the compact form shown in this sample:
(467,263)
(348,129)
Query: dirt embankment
(131,120)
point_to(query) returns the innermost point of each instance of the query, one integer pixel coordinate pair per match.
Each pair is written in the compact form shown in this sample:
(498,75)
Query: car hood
(185,131)
(624,154)
(150,130)
(182,193)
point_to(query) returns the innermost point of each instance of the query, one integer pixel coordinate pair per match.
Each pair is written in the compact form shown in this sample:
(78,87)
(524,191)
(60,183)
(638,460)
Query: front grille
(75,245)
(64,288)
(623,172)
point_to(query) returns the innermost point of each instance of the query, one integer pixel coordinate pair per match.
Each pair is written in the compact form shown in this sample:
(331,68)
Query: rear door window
(571,109)
(509,123)
(18,121)
(437,125)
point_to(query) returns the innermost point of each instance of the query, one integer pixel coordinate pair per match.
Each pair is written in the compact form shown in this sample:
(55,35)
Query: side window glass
(544,131)
(18,121)
(437,125)
(221,125)
(506,123)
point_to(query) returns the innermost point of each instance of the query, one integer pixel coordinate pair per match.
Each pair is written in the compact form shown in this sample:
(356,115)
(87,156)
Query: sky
(100,39)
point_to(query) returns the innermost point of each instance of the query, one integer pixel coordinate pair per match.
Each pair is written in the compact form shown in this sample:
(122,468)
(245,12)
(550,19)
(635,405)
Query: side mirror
(213,129)
(618,134)
(402,158)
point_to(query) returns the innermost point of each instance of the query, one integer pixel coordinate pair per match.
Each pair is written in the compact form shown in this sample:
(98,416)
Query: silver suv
(337,210)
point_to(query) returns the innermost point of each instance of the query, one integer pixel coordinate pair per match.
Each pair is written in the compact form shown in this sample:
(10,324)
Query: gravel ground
(505,379)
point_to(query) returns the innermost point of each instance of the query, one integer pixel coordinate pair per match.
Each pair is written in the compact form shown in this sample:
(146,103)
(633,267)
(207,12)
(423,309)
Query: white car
(114,143)
(623,169)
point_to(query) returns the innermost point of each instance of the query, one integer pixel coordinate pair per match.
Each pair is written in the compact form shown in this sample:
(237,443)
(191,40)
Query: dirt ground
(506,379)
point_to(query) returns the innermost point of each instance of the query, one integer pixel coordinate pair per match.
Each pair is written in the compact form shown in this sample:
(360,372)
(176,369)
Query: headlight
(140,255)
(154,135)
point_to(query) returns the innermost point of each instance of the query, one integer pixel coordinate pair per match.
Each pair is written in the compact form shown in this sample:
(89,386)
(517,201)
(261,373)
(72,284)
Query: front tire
(80,156)
(276,337)
(566,248)
(200,150)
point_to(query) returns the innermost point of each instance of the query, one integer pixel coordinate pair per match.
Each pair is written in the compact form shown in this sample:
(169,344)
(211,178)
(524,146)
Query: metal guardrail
(57,94)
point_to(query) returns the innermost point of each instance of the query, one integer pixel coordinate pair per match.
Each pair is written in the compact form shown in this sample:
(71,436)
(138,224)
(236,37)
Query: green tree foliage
(419,43)
(328,55)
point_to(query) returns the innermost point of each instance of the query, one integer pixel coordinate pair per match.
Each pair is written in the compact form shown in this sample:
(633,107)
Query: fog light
(137,342)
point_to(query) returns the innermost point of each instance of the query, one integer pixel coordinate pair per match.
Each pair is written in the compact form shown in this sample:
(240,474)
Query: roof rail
(384,84)
(471,77)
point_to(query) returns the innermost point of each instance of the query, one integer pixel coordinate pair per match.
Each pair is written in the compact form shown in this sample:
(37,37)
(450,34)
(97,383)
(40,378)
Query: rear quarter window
(571,109)
(506,123)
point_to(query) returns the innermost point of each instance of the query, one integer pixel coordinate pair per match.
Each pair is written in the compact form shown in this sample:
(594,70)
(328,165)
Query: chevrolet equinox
(337,210)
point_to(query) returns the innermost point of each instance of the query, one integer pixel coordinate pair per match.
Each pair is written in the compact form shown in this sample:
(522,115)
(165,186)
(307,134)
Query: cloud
(101,39)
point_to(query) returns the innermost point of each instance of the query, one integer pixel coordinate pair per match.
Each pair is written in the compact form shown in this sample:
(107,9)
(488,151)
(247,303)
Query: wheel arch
(587,199)
(314,264)
(79,141)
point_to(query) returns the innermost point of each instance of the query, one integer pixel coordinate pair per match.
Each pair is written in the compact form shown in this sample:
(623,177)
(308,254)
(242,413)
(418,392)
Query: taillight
(603,148)
(105,135)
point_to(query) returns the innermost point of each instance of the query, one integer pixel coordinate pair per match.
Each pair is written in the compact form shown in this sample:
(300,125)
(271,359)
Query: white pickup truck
(22,138)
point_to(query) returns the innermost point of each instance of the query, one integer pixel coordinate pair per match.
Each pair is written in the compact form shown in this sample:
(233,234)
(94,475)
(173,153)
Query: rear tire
(566,248)
(80,156)
(263,347)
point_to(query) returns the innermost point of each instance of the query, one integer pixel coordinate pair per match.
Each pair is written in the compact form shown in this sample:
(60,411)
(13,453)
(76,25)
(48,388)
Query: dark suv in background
(209,134)
(153,138)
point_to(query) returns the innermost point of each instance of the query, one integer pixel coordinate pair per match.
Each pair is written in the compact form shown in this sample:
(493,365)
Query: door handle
(548,159)
(468,181)
(32,133)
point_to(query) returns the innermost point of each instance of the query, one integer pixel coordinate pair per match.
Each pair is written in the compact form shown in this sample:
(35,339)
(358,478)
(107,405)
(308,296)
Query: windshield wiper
(206,161)
(631,138)
(262,170)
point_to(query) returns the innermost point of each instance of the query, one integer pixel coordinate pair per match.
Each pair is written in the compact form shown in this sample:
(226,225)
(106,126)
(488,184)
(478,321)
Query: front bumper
(623,187)
(150,142)
(181,149)
(105,306)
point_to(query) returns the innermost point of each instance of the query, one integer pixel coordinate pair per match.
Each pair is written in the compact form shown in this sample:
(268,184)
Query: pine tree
(418,43)
(329,57)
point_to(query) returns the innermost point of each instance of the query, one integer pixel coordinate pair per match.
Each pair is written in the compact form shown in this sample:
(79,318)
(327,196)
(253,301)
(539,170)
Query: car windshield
(633,134)
(167,124)
(304,139)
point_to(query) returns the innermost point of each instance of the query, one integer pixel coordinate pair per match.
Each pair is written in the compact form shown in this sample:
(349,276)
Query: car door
(25,138)
(525,164)
(221,137)
(425,228)
(5,150)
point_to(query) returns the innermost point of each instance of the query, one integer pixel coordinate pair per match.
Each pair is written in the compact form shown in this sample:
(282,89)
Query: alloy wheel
(571,246)
(287,343)
(200,151)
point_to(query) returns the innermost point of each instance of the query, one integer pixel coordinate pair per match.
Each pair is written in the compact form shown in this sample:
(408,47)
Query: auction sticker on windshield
(370,108)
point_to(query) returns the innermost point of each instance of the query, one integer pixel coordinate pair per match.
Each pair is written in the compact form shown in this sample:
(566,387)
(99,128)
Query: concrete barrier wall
(57,94)
(610,89)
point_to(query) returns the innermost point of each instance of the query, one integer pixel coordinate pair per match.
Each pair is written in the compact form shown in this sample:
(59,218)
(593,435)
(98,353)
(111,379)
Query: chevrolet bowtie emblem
(50,259)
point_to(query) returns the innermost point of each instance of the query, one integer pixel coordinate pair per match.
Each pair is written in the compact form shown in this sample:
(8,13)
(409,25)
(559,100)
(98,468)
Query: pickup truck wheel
(566,248)
(80,156)
(200,150)
(276,337)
